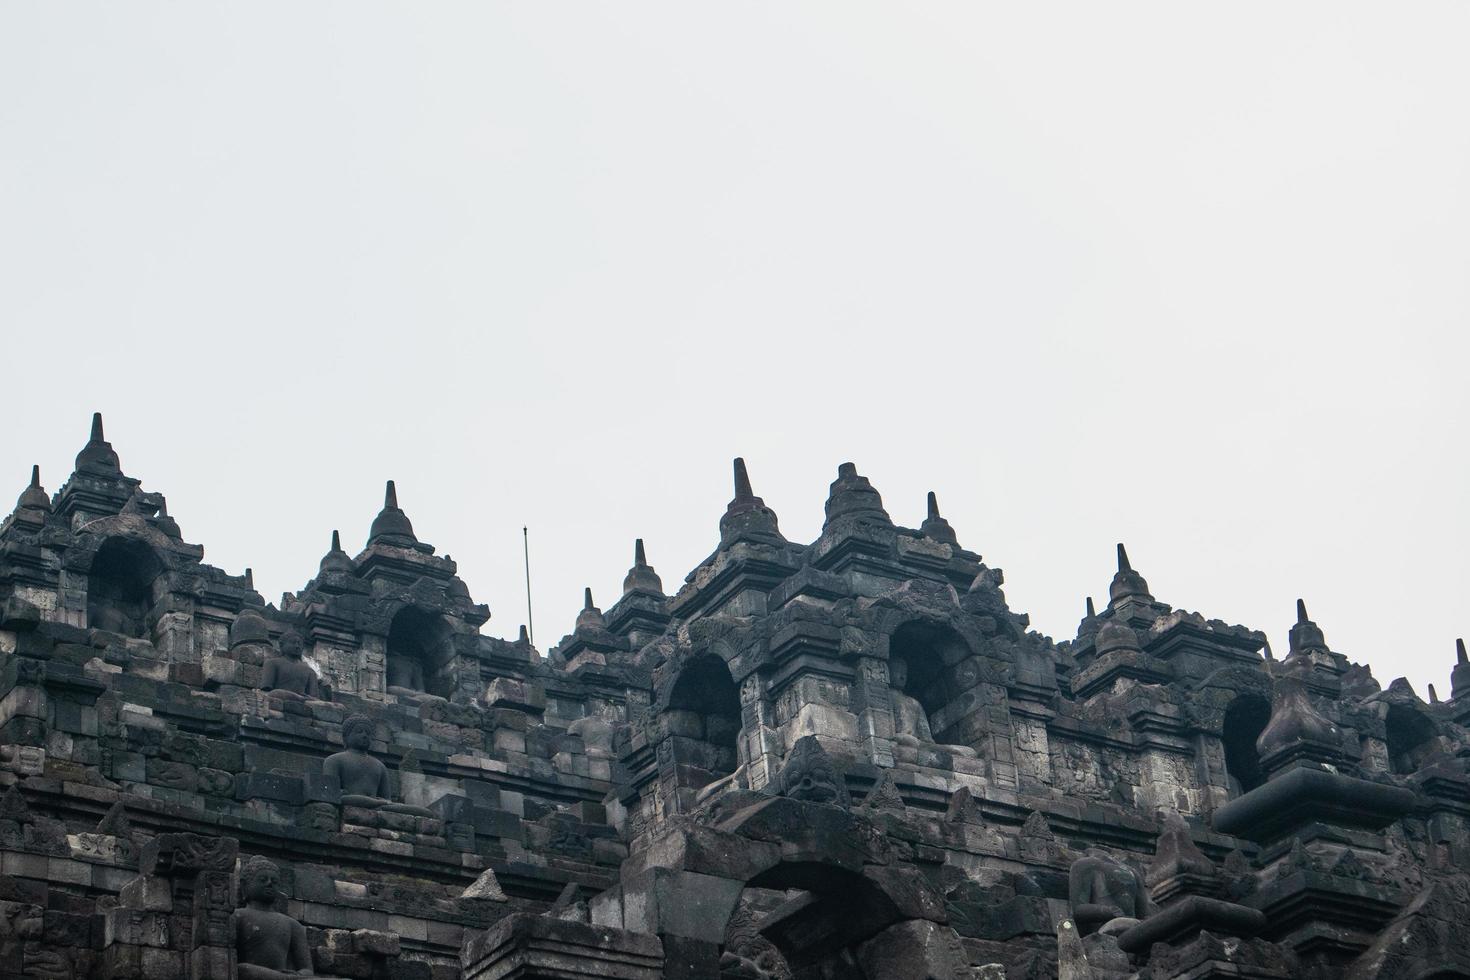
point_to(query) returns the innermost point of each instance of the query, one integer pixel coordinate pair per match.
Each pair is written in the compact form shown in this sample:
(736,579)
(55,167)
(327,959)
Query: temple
(847,758)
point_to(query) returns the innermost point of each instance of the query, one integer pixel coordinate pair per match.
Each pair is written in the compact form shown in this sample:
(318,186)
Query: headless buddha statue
(1106,895)
(405,676)
(363,779)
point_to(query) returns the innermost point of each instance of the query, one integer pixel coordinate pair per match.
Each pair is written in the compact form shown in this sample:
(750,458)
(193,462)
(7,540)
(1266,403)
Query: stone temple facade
(846,758)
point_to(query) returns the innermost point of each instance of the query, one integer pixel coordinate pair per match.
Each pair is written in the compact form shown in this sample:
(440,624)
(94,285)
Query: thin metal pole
(530,625)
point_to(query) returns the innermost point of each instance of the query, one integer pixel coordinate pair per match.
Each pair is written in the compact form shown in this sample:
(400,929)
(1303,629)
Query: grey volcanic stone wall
(845,758)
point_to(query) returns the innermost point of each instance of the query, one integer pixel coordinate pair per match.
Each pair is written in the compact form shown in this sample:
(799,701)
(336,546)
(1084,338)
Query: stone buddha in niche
(362,779)
(269,945)
(288,675)
(405,676)
(910,720)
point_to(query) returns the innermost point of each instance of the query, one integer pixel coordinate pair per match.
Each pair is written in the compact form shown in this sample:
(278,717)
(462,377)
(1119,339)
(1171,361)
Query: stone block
(533,947)
(681,903)
(914,950)
(147,893)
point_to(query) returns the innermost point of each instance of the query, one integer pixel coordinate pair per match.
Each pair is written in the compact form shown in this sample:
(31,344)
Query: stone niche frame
(1209,711)
(862,908)
(450,671)
(698,721)
(969,699)
(169,607)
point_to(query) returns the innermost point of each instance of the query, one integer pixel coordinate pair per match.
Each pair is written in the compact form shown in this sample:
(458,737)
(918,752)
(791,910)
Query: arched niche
(923,661)
(420,642)
(120,587)
(703,714)
(1245,719)
(1410,737)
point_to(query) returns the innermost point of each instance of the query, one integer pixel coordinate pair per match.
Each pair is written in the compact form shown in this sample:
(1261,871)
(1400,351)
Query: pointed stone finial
(1433,695)
(1306,637)
(13,806)
(641,577)
(937,527)
(742,481)
(1091,609)
(852,495)
(336,560)
(97,455)
(250,578)
(523,638)
(1127,584)
(115,823)
(590,617)
(747,516)
(1460,674)
(33,497)
(884,795)
(392,525)
(487,887)
(964,808)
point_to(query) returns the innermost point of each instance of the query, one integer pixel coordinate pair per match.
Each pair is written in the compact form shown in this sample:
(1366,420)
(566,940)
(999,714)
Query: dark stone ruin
(847,758)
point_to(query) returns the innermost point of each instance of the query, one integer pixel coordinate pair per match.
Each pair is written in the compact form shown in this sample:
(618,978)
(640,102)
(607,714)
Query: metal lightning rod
(530,625)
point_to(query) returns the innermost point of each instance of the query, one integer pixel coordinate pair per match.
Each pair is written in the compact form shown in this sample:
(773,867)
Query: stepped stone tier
(846,758)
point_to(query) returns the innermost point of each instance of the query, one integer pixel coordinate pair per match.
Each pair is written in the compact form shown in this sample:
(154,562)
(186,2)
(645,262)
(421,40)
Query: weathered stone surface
(670,792)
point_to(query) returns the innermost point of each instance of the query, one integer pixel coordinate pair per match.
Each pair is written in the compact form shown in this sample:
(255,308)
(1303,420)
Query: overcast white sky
(1188,276)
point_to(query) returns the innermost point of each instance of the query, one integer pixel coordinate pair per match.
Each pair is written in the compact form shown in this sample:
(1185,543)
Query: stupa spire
(747,515)
(641,577)
(1127,584)
(97,456)
(934,525)
(392,525)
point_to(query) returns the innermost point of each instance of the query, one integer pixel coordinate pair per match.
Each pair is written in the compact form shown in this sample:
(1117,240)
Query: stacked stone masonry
(847,758)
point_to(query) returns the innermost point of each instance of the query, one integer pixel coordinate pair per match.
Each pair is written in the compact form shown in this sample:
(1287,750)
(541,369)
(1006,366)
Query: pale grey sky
(1188,276)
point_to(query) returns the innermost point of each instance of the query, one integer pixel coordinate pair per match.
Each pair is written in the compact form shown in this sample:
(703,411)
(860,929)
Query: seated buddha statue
(288,675)
(1105,894)
(910,720)
(269,945)
(363,779)
(405,676)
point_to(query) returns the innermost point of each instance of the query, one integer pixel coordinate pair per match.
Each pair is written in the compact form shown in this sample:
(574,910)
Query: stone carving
(363,780)
(1105,893)
(910,720)
(748,955)
(289,675)
(269,945)
(810,775)
(655,816)
(596,730)
(405,676)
